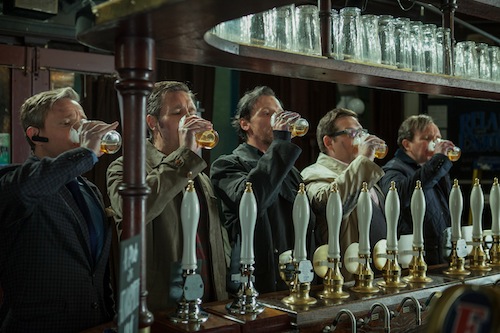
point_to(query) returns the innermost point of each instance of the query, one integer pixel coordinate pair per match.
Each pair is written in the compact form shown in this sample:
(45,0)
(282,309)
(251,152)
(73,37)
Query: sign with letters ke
(129,285)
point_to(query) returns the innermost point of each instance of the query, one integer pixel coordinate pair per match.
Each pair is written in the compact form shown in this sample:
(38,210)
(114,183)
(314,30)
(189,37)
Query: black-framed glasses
(351,132)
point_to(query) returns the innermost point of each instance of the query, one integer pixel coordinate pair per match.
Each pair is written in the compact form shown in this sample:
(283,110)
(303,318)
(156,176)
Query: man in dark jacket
(266,159)
(54,234)
(415,161)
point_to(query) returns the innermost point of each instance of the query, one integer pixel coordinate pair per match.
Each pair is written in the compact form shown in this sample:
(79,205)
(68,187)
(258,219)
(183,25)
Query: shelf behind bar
(325,69)
(180,30)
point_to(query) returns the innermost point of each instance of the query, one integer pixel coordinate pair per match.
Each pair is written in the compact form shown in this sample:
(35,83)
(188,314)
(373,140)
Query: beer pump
(188,309)
(299,279)
(329,270)
(495,223)
(417,266)
(245,301)
(363,274)
(458,245)
(478,260)
(386,251)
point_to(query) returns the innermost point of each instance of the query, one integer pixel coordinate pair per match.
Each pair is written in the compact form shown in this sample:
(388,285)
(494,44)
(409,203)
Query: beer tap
(417,266)
(245,301)
(363,279)
(333,280)
(495,223)
(188,309)
(302,275)
(391,270)
(458,245)
(478,260)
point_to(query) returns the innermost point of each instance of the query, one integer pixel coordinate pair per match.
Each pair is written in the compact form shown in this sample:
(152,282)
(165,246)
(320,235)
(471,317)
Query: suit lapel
(80,225)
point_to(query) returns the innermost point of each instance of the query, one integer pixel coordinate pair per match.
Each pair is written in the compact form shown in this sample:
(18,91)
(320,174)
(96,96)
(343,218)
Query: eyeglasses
(351,132)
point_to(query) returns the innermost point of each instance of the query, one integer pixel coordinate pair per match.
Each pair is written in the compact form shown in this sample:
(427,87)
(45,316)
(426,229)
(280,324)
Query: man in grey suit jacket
(54,239)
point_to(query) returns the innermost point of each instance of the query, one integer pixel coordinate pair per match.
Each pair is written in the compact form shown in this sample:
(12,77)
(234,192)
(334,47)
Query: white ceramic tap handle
(301,216)
(334,219)
(456,203)
(495,207)
(364,213)
(417,206)
(476,206)
(248,216)
(190,215)
(392,210)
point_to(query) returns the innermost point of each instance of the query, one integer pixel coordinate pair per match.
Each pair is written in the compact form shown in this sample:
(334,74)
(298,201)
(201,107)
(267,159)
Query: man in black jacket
(266,159)
(54,235)
(415,161)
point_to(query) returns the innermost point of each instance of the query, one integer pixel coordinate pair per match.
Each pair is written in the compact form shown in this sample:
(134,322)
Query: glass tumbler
(380,151)
(308,35)
(207,139)
(402,42)
(386,36)
(335,34)
(370,38)
(350,44)
(471,64)
(458,60)
(235,30)
(299,128)
(484,61)
(111,142)
(417,54)
(257,29)
(443,51)
(285,28)
(452,153)
(495,63)
(270,28)
(429,47)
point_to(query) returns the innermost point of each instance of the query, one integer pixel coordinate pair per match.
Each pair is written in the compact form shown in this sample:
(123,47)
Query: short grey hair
(411,125)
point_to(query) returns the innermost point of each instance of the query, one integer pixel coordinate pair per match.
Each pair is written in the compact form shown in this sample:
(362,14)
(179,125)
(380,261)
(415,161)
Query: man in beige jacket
(349,165)
(171,153)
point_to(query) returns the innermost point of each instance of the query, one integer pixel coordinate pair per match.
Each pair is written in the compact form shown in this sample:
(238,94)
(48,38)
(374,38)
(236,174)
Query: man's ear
(151,121)
(32,131)
(406,144)
(327,141)
(244,124)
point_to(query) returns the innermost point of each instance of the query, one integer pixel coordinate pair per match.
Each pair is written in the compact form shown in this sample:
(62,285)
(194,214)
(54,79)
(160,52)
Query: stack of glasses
(392,42)
(287,28)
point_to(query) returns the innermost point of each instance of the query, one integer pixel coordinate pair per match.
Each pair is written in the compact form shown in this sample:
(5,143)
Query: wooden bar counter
(279,317)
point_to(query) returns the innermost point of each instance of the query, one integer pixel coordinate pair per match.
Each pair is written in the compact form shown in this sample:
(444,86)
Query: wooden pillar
(448,8)
(135,62)
(325,24)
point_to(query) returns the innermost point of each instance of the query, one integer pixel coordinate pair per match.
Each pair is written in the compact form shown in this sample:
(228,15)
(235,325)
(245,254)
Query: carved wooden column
(325,24)
(135,61)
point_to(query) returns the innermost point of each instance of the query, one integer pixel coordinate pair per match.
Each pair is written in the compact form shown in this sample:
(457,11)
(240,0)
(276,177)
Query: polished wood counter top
(314,318)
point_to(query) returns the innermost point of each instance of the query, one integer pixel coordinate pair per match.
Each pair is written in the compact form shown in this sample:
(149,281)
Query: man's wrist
(282,135)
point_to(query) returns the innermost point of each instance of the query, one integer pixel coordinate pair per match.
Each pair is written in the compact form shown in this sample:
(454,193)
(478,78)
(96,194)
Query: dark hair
(34,110)
(327,125)
(246,105)
(155,99)
(411,125)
